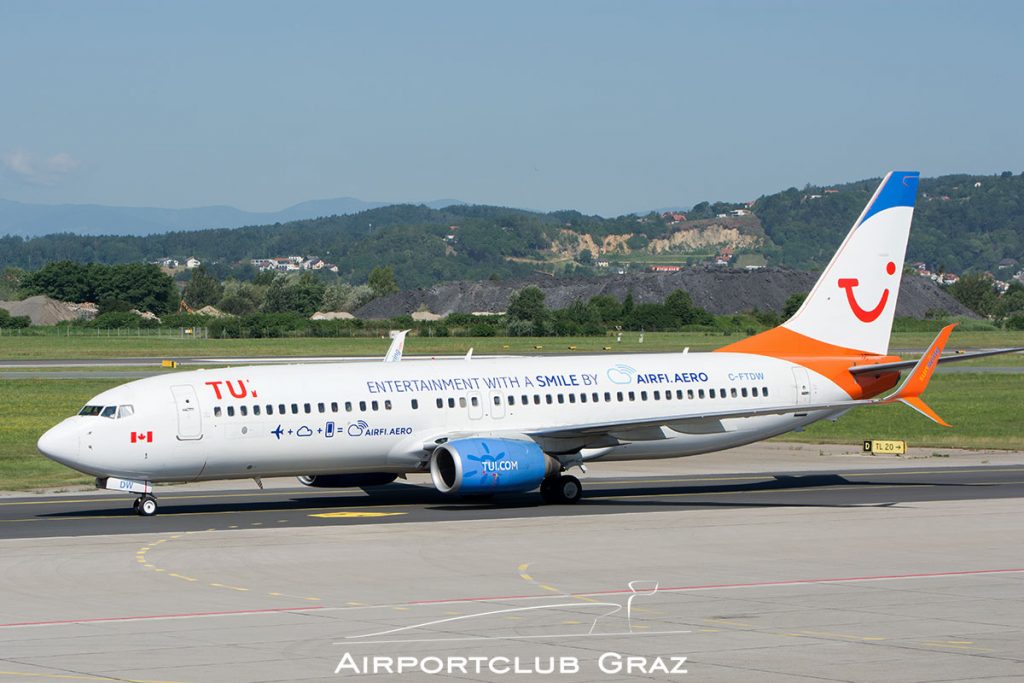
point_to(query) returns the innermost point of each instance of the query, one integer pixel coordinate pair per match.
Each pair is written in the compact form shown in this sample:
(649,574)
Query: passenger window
(270,409)
(474,401)
(700,393)
(753,392)
(608,397)
(216,411)
(721,392)
(387,404)
(595,397)
(334,406)
(295,409)
(440,403)
(657,395)
(308,408)
(643,395)
(547,399)
(362,406)
(256,410)
(689,394)
(511,400)
(732,392)
(583,398)
(536,399)
(632,396)
(462,401)
(524,400)
(321,407)
(125,411)
(109,411)
(743,392)
(231,411)
(243,410)
(451,403)
(679,394)
(711,393)
(374,405)
(572,398)
(764,391)
(497,400)
(618,395)
(348,406)
(415,404)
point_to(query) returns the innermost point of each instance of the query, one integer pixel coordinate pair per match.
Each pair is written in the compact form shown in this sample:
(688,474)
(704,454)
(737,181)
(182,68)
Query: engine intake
(476,466)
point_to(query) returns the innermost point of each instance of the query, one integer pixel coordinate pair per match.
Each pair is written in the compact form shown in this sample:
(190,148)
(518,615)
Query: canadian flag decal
(143,437)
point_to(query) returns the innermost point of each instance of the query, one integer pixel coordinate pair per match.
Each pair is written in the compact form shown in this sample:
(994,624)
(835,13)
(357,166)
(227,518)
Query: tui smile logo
(865,315)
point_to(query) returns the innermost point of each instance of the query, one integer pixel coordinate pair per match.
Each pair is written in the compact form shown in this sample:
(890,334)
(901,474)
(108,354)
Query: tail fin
(853,303)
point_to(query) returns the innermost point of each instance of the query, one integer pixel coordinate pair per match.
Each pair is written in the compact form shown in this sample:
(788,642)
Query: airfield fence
(72,331)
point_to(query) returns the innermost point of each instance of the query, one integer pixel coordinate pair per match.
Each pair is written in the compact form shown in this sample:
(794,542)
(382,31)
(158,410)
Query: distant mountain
(32,220)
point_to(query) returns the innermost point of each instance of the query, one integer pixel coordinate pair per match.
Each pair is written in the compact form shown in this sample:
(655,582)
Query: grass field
(55,347)
(985,410)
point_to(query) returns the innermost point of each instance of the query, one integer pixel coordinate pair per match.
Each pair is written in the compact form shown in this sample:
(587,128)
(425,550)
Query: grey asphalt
(184,510)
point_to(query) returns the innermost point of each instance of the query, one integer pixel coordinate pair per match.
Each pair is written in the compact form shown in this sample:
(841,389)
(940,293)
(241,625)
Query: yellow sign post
(885,447)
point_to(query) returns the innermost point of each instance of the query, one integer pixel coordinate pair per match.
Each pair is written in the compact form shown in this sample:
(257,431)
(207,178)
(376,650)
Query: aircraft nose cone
(60,443)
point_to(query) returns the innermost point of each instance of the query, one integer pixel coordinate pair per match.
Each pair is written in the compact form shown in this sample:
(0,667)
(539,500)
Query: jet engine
(475,466)
(337,481)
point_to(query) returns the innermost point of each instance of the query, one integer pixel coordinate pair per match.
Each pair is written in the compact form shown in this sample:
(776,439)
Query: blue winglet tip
(900,189)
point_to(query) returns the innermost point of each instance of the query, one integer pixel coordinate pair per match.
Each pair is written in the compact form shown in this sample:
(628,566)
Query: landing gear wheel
(146,505)
(568,489)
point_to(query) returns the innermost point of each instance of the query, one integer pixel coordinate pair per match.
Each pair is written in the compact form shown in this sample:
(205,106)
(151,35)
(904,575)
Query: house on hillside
(739,212)
(192,262)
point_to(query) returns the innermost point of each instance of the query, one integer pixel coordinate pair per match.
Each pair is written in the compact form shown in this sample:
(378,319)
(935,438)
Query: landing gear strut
(561,489)
(145,505)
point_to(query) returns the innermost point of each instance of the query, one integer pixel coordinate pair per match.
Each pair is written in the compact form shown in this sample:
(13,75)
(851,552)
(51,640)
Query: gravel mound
(43,310)
(721,292)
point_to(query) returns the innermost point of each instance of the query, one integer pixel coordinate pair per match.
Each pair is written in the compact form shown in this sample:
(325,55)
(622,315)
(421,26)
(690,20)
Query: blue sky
(607,107)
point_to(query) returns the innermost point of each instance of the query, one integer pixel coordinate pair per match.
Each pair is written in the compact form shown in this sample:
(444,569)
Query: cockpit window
(91,411)
(125,411)
(109,411)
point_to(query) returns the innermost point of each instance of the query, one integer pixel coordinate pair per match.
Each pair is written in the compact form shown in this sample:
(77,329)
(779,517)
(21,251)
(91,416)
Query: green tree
(382,281)
(527,304)
(203,289)
(976,293)
(792,305)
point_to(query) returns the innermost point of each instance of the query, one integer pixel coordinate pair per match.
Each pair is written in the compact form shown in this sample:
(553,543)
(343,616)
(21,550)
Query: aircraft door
(190,420)
(803,385)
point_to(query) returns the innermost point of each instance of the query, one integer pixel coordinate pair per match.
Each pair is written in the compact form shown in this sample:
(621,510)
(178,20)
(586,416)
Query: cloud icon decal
(621,374)
(304,431)
(357,428)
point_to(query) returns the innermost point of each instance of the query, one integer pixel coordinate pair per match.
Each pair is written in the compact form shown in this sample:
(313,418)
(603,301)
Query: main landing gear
(561,489)
(145,505)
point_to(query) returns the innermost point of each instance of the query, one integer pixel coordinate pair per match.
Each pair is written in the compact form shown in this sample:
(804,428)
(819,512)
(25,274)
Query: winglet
(394,353)
(917,380)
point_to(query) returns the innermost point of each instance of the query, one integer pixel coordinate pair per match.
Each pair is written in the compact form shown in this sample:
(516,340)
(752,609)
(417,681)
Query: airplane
(484,426)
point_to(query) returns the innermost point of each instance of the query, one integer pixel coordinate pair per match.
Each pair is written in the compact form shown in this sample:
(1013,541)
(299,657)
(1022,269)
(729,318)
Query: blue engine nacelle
(477,466)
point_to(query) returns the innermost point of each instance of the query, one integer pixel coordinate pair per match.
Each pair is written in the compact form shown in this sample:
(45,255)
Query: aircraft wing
(909,393)
(902,364)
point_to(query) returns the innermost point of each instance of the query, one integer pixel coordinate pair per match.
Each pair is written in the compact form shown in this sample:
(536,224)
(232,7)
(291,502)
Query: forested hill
(962,223)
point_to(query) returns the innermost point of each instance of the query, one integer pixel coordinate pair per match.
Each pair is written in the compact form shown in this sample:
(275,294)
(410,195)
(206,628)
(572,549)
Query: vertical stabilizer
(853,303)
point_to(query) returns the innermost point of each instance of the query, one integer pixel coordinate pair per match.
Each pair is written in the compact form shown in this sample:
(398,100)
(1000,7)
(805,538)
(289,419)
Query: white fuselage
(350,417)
